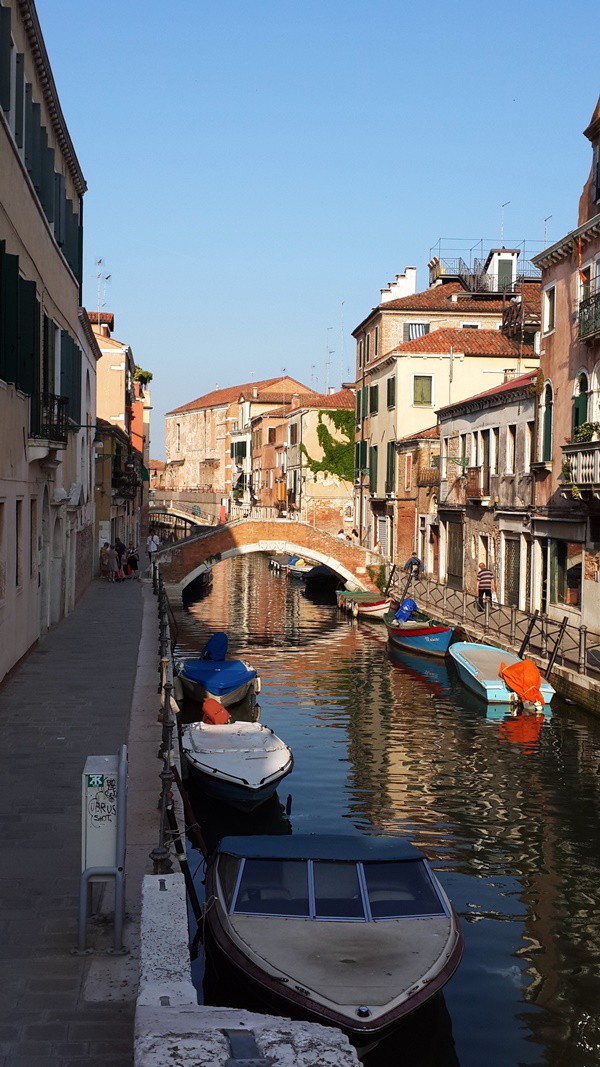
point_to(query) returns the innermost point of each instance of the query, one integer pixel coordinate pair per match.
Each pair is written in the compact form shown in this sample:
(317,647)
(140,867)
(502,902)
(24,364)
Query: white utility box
(99,812)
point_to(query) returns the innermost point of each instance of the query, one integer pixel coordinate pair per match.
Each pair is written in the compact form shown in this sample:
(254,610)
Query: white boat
(240,763)
(479,667)
(354,932)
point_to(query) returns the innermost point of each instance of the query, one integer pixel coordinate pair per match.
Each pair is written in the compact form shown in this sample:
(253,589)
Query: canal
(506,812)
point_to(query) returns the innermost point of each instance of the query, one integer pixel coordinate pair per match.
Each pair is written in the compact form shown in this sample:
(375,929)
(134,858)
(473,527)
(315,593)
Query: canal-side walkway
(70,698)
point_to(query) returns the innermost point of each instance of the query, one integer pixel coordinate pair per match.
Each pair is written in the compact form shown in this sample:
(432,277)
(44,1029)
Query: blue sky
(257,171)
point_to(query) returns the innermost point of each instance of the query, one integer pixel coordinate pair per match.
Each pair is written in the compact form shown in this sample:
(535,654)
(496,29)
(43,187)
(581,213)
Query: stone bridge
(184,561)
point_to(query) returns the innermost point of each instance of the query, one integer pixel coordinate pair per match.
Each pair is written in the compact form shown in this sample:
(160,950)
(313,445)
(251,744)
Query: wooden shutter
(547,429)
(373,469)
(9,321)
(374,400)
(36,136)
(28,134)
(5,51)
(19,98)
(391,392)
(406,332)
(358,406)
(59,209)
(27,368)
(390,472)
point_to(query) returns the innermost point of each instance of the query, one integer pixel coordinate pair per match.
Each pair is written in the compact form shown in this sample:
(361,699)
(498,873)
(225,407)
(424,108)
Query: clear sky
(259,170)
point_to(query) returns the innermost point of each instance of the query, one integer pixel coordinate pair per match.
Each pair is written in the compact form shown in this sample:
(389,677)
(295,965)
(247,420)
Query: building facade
(567,514)
(415,478)
(48,354)
(319,460)
(417,351)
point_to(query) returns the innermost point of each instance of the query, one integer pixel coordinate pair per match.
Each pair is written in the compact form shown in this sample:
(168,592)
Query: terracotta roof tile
(505,387)
(431,433)
(343,400)
(223,397)
(157,465)
(465,342)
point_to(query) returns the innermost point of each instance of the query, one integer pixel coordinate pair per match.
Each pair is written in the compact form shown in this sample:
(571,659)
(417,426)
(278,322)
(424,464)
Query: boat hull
(236,795)
(483,682)
(297,1003)
(198,691)
(240,764)
(429,640)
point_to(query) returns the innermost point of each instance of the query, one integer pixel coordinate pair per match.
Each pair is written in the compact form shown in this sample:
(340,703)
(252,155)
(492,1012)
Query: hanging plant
(586,432)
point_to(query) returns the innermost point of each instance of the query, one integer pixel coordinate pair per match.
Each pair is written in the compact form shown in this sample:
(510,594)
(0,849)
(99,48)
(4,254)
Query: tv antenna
(329,352)
(102,279)
(502,206)
(546,221)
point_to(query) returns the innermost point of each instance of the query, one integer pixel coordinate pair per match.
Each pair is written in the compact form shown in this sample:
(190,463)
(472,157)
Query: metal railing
(48,418)
(589,317)
(580,647)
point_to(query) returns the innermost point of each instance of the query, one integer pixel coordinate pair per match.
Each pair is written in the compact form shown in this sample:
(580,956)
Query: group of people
(118,562)
(353,537)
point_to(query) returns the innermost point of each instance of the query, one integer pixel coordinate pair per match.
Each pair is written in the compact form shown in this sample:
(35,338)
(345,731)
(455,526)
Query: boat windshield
(401,889)
(335,889)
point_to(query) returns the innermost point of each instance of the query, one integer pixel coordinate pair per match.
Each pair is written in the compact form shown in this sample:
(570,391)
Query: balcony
(582,467)
(589,318)
(48,418)
(430,476)
(478,483)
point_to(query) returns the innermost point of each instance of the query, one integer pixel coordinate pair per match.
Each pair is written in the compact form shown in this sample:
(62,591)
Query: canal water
(507,813)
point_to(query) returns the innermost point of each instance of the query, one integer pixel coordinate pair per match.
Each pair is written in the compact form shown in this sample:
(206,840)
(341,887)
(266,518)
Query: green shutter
(547,435)
(374,400)
(363,455)
(5,51)
(390,472)
(357,457)
(422,389)
(365,401)
(9,317)
(373,469)
(391,392)
(358,406)
(28,362)
(36,139)
(19,98)
(28,135)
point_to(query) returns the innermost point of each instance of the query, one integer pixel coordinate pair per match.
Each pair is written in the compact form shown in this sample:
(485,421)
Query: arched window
(580,400)
(547,424)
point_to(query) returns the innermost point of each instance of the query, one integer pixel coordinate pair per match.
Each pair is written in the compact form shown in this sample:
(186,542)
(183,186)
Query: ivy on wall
(338,456)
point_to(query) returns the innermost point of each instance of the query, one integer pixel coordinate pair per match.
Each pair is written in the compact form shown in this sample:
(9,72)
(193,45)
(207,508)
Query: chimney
(254,392)
(331,390)
(404,285)
(295,401)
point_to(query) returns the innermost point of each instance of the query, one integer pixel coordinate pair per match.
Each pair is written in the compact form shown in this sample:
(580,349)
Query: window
(495,450)
(376,342)
(178,437)
(368,348)
(273,887)
(271,435)
(337,891)
(294,433)
(580,401)
(547,424)
(391,392)
(374,399)
(528,457)
(18,543)
(401,889)
(423,390)
(390,468)
(462,450)
(412,330)
(585,282)
(469,325)
(358,398)
(565,572)
(549,309)
(32,537)
(365,401)
(363,455)
(373,469)
(407,472)
(511,440)
(361,350)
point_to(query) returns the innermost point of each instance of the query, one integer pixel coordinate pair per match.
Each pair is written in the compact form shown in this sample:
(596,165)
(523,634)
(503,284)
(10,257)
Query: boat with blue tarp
(408,628)
(212,675)
(354,932)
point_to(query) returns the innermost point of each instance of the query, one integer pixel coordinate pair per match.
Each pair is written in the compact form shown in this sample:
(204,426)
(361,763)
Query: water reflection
(399,746)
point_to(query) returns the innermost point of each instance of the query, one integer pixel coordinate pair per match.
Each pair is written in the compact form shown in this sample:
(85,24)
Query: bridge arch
(184,561)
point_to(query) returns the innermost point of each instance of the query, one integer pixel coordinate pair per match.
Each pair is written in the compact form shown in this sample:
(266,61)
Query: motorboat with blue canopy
(212,675)
(408,628)
(354,932)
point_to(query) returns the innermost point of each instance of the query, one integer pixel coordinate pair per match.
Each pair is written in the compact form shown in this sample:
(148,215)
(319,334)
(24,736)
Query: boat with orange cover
(479,667)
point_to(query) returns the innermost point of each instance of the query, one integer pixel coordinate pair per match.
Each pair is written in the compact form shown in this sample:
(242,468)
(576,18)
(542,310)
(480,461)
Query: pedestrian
(342,535)
(152,543)
(414,565)
(112,563)
(354,537)
(485,585)
(104,560)
(132,562)
(120,549)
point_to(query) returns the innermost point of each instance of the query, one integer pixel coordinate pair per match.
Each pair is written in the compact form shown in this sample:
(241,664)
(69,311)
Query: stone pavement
(69,699)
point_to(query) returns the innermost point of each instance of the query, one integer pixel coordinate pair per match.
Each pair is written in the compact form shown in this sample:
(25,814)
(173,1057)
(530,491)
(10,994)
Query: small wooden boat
(240,763)
(411,629)
(346,931)
(373,605)
(479,669)
(211,675)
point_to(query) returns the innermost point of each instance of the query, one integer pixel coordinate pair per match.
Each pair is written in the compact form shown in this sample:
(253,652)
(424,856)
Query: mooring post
(582,649)
(513,623)
(544,630)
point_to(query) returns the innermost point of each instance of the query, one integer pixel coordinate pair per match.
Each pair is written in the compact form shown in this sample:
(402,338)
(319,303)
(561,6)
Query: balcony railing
(429,476)
(583,464)
(48,417)
(478,483)
(589,317)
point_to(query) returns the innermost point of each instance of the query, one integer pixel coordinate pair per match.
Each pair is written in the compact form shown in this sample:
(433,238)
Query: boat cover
(321,847)
(219,677)
(406,610)
(216,647)
(524,678)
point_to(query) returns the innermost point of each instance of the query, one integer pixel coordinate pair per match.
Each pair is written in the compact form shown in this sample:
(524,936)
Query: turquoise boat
(478,667)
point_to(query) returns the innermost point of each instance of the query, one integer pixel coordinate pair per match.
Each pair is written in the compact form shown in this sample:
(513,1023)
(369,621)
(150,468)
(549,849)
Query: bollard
(513,623)
(582,649)
(544,629)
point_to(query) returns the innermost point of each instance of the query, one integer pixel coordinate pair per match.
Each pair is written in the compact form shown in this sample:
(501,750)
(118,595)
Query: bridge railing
(258,511)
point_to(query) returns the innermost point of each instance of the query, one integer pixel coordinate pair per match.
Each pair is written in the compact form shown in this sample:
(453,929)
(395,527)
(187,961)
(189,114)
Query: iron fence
(579,648)
(48,417)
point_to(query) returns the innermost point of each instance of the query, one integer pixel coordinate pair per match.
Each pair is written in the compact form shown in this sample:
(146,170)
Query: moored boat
(479,666)
(240,763)
(347,931)
(410,629)
(211,675)
(373,605)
